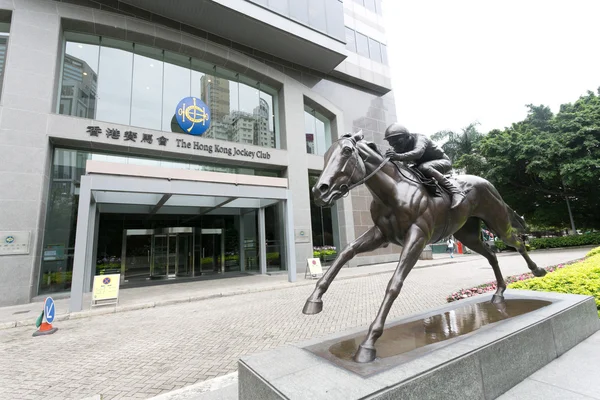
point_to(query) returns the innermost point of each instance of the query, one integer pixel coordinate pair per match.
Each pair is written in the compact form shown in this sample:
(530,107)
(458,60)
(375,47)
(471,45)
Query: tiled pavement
(140,354)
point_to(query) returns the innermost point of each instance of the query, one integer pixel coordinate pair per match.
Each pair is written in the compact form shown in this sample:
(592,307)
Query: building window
(370,5)
(323,225)
(4,32)
(350,40)
(384,54)
(131,84)
(375,50)
(3,46)
(318,132)
(362,45)
(365,46)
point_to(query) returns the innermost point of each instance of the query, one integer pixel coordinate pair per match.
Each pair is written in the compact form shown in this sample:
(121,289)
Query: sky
(463,61)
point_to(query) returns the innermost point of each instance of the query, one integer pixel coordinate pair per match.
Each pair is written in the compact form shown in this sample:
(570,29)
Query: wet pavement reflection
(413,335)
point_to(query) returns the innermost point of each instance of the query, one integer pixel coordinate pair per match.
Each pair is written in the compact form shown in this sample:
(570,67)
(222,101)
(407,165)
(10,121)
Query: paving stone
(154,350)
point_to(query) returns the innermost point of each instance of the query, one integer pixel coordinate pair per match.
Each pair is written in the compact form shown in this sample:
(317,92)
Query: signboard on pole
(314,268)
(106,289)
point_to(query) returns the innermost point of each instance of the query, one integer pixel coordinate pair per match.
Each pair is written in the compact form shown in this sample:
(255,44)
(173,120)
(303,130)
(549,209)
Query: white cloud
(456,62)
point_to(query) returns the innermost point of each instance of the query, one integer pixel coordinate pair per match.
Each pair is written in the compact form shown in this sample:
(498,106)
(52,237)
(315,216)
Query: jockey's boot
(457,195)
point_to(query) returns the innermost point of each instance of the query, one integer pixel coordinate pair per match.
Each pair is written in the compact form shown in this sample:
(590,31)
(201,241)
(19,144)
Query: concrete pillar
(242,254)
(291,103)
(262,241)
(81,239)
(290,250)
(95,252)
(90,264)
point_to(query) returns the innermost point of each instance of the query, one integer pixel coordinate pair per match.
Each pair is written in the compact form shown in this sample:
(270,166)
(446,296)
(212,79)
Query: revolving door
(157,254)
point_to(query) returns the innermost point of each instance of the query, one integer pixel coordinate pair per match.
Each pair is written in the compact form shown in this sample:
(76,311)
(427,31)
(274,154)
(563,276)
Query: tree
(545,161)
(461,148)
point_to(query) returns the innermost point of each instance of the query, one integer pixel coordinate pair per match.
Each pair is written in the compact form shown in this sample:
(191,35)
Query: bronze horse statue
(406,214)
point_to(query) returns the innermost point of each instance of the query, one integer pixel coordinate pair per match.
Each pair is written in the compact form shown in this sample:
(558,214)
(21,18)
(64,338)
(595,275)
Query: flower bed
(325,253)
(581,278)
(492,286)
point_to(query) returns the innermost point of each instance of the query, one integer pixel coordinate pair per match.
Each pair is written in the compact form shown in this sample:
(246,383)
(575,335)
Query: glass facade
(323,227)
(365,46)
(59,237)
(371,5)
(326,16)
(318,132)
(3,46)
(131,84)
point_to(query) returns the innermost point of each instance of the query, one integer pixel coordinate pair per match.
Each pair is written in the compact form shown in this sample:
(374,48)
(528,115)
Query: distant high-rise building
(80,85)
(216,95)
(263,134)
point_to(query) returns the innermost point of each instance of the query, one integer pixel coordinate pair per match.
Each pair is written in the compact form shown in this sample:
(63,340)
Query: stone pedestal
(482,364)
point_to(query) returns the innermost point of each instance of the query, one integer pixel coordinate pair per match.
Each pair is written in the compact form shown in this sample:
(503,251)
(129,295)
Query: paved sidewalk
(174,293)
(572,376)
(147,352)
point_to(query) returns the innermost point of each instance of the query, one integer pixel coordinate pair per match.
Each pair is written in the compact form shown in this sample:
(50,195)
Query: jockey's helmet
(394,130)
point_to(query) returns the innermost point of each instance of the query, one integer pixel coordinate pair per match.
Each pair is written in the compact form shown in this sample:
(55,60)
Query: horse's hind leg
(368,241)
(470,236)
(502,226)
(512,240)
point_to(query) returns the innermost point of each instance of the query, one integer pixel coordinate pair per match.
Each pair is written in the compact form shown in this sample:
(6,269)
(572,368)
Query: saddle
(431,185)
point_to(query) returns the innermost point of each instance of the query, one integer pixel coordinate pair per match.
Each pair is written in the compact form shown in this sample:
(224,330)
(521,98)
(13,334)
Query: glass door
(160,256)
(212,251)
(185,254)
(136,257)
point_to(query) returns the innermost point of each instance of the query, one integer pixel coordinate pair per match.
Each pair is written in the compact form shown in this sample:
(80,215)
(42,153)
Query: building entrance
(149,254)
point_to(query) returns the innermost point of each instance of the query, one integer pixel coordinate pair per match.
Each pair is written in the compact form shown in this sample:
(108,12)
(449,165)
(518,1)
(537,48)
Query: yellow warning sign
(106,289)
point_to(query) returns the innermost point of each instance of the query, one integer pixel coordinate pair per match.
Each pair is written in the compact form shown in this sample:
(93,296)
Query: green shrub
(501,246)
(566,241)
(580,278)
(593,252)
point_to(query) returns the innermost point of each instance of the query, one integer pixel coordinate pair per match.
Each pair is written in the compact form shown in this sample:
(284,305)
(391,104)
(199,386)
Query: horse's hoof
(312,307)
(539,272)
(365,354)
(497,299)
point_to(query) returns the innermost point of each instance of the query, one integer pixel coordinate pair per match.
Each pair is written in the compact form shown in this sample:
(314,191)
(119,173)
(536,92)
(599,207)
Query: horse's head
(344,166)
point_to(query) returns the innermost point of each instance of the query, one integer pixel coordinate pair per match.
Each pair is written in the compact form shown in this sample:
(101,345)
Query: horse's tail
(516,220)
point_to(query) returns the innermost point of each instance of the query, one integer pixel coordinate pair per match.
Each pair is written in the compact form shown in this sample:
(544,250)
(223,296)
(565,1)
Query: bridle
(345,188)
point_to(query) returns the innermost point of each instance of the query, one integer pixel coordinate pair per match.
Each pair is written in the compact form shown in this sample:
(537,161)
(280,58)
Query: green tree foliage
(538,162)
(461,148)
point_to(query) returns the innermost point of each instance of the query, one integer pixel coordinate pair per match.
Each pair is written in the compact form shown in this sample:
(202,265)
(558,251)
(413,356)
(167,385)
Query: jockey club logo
(193,116)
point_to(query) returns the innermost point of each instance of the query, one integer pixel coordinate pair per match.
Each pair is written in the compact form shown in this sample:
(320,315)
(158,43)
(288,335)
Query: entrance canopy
(134,189)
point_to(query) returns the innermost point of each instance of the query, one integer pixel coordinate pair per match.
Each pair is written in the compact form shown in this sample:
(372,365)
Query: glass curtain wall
(318,132)
(322,226)
(59,237)
(4,29)
(131,84)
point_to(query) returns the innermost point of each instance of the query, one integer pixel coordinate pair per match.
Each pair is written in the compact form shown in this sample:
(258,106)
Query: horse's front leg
(368,241)
(414,242)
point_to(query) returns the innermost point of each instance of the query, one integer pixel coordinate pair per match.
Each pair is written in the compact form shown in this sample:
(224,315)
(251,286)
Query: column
(262,241)
(290,248)
(95,252)
(81,238)
(242,252)
(89,251)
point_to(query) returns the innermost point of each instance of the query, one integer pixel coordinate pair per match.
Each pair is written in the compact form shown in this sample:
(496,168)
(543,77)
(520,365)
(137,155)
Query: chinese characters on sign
(131,136)
(115,134)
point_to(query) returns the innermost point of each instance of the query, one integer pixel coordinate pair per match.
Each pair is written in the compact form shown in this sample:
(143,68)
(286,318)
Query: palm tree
(461,147)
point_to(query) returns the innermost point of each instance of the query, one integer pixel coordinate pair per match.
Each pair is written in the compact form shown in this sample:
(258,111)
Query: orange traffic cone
(45,327)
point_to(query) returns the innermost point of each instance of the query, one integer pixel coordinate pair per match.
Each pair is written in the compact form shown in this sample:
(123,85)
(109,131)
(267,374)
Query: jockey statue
(428,157)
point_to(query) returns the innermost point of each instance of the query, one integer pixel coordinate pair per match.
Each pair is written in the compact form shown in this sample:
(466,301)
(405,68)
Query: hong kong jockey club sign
(193,116)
